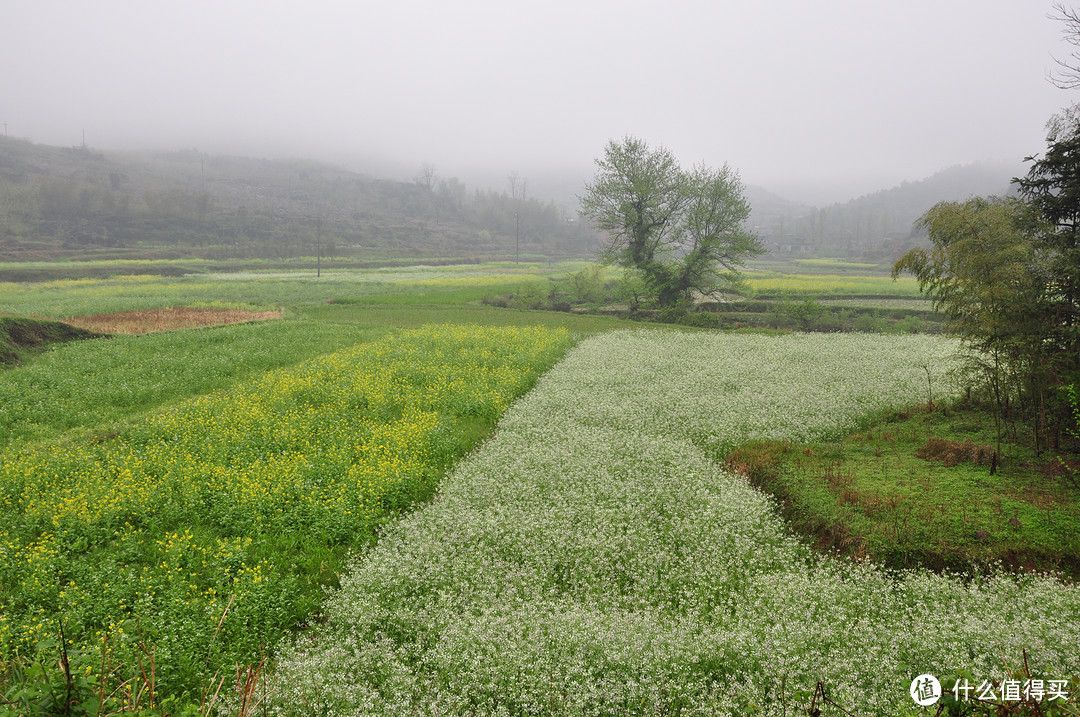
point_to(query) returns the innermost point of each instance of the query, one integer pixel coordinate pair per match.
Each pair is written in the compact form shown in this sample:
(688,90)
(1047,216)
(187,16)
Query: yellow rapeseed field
(816,284)
(208,530)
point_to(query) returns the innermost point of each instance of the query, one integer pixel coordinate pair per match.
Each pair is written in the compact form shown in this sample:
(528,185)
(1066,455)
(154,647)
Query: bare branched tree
(519,186)
(426,177)
(1067,76)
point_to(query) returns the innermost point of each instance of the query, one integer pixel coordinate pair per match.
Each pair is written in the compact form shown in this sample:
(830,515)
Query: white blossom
(595,558)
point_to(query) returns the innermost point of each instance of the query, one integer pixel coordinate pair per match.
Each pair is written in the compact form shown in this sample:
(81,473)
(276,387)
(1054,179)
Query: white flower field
(595,557)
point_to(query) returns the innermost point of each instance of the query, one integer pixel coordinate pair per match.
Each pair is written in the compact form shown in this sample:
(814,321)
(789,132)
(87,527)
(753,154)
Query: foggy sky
(818,101)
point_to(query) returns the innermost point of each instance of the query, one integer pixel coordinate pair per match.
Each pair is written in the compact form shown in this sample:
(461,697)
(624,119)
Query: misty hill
(880,225)
(77,202)
(771,214)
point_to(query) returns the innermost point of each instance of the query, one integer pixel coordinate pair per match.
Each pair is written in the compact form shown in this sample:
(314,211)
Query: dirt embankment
(20,336)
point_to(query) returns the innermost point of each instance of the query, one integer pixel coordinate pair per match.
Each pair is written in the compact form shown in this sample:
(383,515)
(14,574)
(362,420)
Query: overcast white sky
(819,101)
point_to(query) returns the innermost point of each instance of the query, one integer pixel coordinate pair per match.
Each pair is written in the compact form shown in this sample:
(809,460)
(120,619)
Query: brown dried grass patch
(145,321)
(758,460)
(952,453)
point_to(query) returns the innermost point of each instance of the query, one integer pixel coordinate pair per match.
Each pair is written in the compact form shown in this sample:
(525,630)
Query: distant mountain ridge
(878,225)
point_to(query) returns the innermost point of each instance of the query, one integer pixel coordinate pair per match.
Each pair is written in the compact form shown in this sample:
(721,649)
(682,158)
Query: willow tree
(683,232)
(987,275)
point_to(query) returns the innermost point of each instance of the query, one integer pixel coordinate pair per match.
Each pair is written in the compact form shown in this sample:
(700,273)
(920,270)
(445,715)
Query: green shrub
(703,319)
(871,323)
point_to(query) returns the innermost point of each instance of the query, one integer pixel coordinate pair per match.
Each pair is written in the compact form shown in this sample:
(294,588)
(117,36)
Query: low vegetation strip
(594,558)
(123,292)
(721,390)
(207,531)
(774,283)
(84,387)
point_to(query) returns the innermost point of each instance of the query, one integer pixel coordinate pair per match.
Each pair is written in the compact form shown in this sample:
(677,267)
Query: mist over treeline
(79,202)
(879,226)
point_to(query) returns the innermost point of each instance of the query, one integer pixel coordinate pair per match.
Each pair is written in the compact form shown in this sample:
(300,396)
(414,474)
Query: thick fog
(816,101)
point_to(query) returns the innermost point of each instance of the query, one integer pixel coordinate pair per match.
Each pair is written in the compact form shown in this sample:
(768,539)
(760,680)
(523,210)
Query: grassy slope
(20,337)
(890,494)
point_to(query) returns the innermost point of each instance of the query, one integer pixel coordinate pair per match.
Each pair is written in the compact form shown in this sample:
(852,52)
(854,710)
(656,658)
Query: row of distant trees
(80,212)
(53,199)
(509,214)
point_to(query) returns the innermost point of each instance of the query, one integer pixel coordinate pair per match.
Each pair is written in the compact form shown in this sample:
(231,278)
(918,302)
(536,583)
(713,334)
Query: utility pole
(517,239)
(318,248)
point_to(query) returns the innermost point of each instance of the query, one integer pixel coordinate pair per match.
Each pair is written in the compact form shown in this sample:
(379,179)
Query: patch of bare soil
(145,321)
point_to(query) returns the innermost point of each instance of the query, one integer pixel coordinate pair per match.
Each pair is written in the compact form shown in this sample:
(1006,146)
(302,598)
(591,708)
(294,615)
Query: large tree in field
(682,231)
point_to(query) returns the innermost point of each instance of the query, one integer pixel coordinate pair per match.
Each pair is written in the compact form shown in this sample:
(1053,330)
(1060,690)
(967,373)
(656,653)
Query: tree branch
(1068,76)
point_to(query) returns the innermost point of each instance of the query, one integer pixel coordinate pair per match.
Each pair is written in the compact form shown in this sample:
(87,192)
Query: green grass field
(916,490)
(771,283)
(127,292)
(88,388)
(186,497)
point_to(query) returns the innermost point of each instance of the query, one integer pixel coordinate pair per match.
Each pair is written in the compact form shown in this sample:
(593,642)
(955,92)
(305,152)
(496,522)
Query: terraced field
(594,558)
(322,504)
